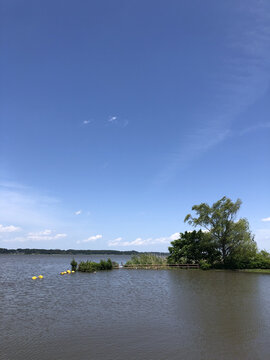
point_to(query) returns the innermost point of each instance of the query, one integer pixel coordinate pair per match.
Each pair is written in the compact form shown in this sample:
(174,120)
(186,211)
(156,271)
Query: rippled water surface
(130,314)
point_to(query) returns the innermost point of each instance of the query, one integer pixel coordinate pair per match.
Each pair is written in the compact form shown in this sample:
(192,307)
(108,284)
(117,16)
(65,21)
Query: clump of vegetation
(74,265)
(204,265)
(91,266)
(142,260)
(261,260)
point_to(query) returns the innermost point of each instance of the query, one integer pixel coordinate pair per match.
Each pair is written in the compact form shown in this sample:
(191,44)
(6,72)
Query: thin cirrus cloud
(266,219)
(242,79)
(9,228)
(90,239)
(78,212)
(141,242)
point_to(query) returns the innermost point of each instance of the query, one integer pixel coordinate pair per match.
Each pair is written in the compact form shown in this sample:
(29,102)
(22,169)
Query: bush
(91,266)
(204,265)
(261,261)
(73,265)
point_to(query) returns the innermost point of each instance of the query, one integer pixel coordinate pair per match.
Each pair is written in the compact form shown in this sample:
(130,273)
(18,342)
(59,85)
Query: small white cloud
(85,122)
(266,219)
(9,228)
(90,239)
(112,118)
(78,212)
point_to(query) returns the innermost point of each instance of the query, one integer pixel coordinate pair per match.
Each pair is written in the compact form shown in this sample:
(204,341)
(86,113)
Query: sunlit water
(130,314)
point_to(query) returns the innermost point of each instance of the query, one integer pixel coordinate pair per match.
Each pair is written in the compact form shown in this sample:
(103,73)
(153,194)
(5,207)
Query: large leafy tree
(192,247)
(232,238)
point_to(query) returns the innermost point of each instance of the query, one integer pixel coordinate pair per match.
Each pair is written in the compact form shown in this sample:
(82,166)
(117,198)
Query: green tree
(232,238)
(192,247)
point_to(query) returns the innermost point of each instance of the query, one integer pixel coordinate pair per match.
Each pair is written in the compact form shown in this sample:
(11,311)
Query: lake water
(130,314)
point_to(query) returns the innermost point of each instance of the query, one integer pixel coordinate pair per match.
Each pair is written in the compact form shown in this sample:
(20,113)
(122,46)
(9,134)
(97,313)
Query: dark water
(130,314)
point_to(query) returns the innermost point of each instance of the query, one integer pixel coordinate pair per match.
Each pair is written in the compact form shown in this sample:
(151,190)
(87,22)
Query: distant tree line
(224,243)
(72,252)
(65,252)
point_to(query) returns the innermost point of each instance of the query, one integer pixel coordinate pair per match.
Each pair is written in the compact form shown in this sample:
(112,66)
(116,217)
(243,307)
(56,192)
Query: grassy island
(91,266)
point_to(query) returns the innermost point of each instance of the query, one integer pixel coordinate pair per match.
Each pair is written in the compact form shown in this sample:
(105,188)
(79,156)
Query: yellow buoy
(34,277)
(68,271)
(62,273)
(40,276)
(73,271)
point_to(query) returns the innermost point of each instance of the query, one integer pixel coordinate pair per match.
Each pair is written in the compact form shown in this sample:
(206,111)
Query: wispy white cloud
(44,235)
(78,212)
(266,219)
(90,239)
(117,121)
(27,207)
(40,233)
(9,228)
(243,77)
(125,123)
(86,122)
(115,242)
(12,185)
(142,242)
(112,119)
(18,239)
(256,127)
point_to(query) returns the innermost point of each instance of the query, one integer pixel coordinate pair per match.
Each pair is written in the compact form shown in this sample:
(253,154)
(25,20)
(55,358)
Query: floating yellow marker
(73,271)
(68,271)
(40,276)
(34,277)
(62,273)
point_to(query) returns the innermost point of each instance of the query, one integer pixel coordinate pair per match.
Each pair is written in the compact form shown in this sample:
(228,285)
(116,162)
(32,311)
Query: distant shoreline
(74,252)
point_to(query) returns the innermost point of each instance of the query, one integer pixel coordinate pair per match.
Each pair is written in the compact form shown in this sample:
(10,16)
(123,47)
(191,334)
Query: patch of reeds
(146,260)
(91,266)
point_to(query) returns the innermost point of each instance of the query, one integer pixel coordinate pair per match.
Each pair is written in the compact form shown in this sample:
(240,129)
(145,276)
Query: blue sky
(118,116)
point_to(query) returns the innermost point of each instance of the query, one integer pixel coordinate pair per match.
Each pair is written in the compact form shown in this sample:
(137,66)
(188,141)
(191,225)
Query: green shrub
(73,265)
(204,265)
(91,266)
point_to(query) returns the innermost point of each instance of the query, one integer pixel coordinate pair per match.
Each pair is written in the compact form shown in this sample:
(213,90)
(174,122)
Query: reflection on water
(134,314)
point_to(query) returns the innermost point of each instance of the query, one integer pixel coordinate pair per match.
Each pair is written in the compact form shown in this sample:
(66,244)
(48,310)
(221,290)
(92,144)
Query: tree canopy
(232,238)
(193,247)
